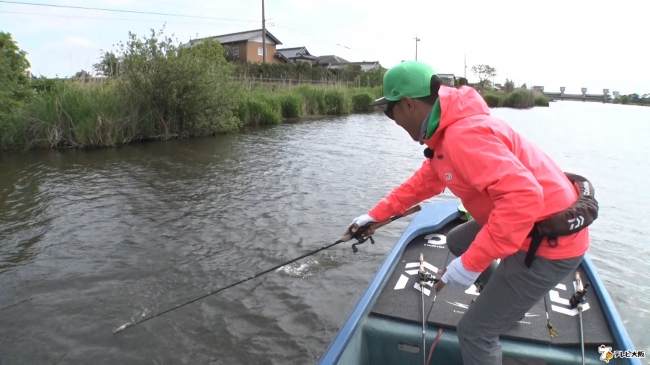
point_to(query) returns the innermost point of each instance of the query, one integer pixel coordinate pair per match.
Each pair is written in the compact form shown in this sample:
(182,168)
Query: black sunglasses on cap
(389,109)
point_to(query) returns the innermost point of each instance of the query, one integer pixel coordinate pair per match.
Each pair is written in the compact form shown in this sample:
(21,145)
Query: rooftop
(295,52)
(241,36)
(331,59)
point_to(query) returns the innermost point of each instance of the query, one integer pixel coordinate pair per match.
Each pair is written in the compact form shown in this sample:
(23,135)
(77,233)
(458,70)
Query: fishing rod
(577,300)
(360,235)
(435,295)
(424,277)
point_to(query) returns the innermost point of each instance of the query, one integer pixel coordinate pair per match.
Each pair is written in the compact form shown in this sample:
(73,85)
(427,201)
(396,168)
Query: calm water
(91,240)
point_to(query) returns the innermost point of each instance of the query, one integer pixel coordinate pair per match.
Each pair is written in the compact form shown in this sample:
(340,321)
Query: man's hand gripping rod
(360,234)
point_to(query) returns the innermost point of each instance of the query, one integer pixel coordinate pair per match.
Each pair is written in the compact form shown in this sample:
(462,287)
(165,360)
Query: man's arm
(482,159)
(422,185)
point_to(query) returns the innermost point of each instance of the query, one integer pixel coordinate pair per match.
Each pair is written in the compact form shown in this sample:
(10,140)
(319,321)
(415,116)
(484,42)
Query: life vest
(567,222)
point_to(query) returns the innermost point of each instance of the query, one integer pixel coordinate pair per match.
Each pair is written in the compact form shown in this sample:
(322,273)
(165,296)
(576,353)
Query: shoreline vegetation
(155,89)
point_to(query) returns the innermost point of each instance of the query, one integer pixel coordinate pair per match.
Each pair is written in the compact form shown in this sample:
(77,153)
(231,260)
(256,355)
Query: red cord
(433,346)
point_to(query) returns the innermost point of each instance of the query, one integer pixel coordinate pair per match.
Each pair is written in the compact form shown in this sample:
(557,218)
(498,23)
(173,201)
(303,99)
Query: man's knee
(478,345)
(460,237)
(464,330)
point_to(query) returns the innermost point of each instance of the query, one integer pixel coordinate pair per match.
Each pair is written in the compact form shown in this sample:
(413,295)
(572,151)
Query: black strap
(535,242)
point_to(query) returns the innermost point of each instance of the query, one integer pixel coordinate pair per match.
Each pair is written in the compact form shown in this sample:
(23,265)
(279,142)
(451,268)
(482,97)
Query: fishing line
(430,308)
(361,235)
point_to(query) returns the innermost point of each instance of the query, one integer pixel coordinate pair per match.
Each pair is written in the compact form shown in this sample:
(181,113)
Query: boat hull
(386,325)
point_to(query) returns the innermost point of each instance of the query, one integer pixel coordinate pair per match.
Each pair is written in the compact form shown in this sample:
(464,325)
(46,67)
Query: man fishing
(505,182)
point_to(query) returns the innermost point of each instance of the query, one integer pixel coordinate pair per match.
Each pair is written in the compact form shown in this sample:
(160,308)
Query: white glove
(363,220)
(458,275)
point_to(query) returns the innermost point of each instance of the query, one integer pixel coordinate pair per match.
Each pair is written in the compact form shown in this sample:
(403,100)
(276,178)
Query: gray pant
(511,291)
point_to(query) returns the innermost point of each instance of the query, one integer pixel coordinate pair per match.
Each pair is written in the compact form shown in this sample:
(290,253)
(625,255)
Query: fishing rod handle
(376,225)
(409,211)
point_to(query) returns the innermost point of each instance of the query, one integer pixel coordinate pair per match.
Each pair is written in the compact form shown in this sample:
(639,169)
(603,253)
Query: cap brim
(380,101)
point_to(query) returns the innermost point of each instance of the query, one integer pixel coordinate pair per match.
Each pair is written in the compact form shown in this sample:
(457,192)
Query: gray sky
(572,43)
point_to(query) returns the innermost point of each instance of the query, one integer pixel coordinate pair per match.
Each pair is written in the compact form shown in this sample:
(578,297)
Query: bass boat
(401,320)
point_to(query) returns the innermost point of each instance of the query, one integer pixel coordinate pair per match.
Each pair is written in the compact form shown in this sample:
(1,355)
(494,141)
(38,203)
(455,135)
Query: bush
(183,90)
(493,100)
(314,99)
(336,102)
(541,101)
(305,72)
(291,105)
(361,102)
(261,112)
(519,99)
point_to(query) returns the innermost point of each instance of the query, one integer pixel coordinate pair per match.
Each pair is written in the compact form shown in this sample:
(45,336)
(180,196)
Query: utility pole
(416,46)
(465,67)
(263,35)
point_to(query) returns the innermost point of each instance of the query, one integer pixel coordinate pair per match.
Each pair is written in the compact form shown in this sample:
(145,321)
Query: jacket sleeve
(422,185)
(485,162)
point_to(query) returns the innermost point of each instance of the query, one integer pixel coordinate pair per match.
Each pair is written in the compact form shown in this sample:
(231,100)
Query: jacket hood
(457,104)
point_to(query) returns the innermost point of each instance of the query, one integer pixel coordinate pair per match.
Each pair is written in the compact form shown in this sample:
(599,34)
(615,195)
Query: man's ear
(409,104)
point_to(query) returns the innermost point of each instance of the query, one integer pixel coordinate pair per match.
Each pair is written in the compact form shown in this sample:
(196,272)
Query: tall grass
(73,114)
(263,107)
(102,114)
(518,99)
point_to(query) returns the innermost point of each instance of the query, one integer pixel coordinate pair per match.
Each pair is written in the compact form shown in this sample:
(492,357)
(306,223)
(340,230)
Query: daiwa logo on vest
(585,188)
(576,222)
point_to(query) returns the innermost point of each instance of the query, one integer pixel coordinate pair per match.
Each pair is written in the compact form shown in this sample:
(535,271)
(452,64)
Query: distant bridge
(600,98)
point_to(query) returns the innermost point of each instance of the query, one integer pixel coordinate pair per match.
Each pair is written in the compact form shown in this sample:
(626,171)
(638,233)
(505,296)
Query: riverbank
(518,99)
(75,114)
(100,114)
(156,89)
(633,99)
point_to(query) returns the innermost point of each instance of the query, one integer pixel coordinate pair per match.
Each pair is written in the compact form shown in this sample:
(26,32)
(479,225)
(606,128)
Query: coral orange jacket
(504,181)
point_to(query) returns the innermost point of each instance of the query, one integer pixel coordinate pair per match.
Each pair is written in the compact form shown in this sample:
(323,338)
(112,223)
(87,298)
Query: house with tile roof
(333,62)
(296,55)
(247,46)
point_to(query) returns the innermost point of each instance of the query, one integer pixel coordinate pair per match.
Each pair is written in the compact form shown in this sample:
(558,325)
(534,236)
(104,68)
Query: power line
(324,40)
(184,6)
(124,11)
(165,14)
(104,18)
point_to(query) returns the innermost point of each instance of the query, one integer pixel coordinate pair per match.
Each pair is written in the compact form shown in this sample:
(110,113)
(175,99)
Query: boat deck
(386,325)
(401,299)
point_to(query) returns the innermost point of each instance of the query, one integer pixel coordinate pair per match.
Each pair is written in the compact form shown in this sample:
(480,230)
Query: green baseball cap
(408,78)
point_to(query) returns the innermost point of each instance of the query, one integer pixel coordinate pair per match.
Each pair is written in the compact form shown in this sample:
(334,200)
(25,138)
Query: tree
(108,65)
(83,75)
(14,81)
(509,86)
(350,72)
(484,73)
(176,88)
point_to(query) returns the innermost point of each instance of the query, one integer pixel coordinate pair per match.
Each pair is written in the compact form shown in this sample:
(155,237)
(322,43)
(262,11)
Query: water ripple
(93,239)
